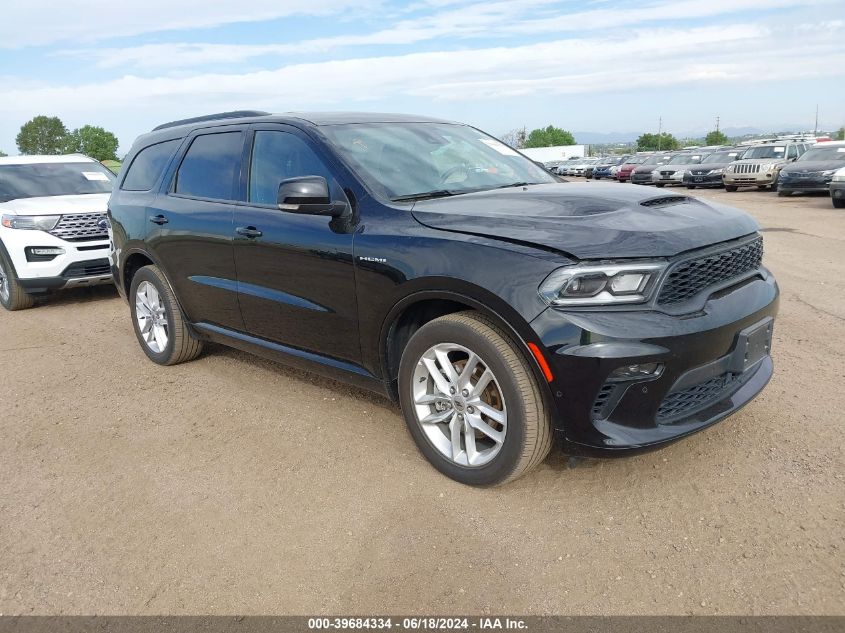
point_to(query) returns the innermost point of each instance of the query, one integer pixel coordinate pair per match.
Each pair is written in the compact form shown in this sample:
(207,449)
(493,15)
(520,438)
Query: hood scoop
(665,201)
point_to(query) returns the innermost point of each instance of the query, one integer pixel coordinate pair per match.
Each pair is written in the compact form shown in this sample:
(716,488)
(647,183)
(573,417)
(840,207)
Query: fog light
(42,253)
(634,372)
(48,251)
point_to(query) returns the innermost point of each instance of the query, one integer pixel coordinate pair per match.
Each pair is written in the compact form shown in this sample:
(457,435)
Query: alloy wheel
(459,404)
(4,284)
(151,316)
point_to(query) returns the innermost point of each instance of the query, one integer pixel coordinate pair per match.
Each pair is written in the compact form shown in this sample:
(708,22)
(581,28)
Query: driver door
(296,282)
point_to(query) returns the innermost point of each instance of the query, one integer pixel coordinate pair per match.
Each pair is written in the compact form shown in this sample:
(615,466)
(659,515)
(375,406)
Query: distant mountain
(605,138)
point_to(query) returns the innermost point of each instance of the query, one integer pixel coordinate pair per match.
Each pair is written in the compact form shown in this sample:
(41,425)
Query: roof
(52,158)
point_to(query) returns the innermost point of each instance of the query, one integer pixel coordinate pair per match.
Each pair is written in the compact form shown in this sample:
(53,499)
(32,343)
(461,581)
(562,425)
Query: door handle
(159,219)
(248,231)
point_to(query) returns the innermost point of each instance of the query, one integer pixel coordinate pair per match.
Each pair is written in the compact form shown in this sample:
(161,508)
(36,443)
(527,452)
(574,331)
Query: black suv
(430,262)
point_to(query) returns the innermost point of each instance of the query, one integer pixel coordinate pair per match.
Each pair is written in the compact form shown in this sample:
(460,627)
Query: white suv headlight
(602,284)
(32,222)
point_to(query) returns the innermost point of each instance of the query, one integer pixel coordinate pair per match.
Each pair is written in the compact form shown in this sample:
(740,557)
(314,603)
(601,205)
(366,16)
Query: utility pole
(717,123)
(659,132)
(816,126)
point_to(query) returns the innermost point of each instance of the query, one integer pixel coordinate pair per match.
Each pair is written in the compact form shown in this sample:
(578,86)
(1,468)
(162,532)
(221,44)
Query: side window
(211,166)
(277,156)
(792,152)
(147,166)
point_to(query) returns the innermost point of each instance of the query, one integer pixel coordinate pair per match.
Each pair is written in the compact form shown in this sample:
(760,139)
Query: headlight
(828,172)
(839,177)
(715,172)
(33,222)
(730,168)
(601,284)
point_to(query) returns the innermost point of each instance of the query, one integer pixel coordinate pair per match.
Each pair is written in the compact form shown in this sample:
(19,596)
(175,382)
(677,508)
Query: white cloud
(486,19)
(37,23)
(648,58)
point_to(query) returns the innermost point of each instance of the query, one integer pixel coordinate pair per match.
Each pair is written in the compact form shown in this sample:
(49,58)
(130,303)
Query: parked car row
(786,165)
(499,307)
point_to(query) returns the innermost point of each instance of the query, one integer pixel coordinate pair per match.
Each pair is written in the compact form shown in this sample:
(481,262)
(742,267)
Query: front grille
(81,227)
(90,268)
(687,278)
(747,169)
(683,403)
(699,172)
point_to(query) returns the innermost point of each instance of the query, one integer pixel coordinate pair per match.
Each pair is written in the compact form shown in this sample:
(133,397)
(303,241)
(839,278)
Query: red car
(623,174)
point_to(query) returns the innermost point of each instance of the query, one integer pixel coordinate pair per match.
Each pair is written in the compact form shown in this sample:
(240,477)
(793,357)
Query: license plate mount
(754,343)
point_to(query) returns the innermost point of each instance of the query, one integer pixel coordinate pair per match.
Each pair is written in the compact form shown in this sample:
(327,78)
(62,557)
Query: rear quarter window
(147,166)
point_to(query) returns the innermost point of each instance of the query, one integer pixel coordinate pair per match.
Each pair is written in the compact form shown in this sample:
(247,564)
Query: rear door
(191,226)
(296,278)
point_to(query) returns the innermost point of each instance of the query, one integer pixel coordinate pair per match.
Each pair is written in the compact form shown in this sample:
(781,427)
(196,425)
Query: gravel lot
(235,485)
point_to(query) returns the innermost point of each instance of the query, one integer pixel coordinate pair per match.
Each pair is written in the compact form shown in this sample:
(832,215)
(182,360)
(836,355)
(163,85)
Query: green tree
(716,137)
(652,142)
(840,135)
(550,136)
(93,141)
(2,153)
(42,135)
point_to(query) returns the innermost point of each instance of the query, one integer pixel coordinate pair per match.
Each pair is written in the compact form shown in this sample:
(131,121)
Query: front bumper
(638,178)
(84,263)
(675,178)
(703,180)
(797,184)
(760,179)
(702,380)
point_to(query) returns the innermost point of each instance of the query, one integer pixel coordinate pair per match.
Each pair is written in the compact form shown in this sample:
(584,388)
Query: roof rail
(236,114)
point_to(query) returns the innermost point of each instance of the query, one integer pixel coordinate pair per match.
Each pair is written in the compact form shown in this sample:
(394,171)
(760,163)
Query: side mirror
(308,195)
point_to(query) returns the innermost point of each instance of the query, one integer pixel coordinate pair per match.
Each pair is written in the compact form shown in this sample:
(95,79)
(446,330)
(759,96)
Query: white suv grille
(81,227)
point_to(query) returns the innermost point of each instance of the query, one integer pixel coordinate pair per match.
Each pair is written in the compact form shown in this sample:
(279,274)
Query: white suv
(54,228)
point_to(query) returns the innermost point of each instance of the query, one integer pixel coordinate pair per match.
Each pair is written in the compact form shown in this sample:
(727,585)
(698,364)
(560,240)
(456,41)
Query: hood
(705,167)
(646,169)
(812,165)
(589,220)
(56,205)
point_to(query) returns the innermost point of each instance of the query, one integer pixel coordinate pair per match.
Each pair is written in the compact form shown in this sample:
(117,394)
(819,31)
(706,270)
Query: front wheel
(838,203)
(471,401)
(162,332)
(690,186)
(12,294)
(784,194)
(730,188)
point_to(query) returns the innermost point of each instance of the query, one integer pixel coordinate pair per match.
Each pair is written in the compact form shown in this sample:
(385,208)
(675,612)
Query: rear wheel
(471,401)
(12,294)
(162,332)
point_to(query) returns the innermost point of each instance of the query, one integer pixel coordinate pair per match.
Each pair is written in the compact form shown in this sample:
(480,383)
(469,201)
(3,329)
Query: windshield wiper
(516,184)
(425,195)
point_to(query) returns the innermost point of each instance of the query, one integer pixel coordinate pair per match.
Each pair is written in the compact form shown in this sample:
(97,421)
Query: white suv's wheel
(12,294)
(471,401)
(162,332)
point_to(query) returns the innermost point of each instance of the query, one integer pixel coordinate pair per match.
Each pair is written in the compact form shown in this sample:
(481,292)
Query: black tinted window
(277,156)
(148,165)
(211,166)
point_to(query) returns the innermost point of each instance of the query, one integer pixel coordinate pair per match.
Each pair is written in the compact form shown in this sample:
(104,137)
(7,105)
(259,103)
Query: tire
(784,194)
(660,185)
(690,186)
(527,425)
(838,203)
(12,295)
(730,188)
(180,345)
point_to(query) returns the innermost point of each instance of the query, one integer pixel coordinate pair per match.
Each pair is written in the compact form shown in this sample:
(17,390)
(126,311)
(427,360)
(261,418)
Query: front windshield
(824,153)
(658,160)
(765,151)
(34,180)
(404,161)
(686,159)
(721,157)
(635,160)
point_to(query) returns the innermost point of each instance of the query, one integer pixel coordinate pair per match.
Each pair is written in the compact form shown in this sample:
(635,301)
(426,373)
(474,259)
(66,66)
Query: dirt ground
(232,485)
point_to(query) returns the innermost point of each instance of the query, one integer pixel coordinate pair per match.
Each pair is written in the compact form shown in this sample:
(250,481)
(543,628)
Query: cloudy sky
(586,65)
